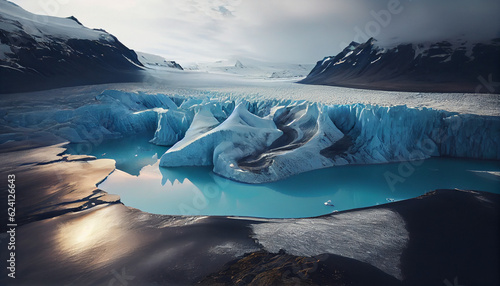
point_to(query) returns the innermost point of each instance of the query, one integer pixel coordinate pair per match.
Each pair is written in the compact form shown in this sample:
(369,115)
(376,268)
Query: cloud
(429,20)
(224,11)
(301,31)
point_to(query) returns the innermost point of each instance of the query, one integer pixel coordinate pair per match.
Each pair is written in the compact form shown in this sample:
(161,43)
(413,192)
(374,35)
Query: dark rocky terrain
(264,268)
(72,233)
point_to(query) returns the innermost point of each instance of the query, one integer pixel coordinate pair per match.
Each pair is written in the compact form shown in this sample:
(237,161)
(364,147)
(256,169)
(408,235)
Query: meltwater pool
(142,184)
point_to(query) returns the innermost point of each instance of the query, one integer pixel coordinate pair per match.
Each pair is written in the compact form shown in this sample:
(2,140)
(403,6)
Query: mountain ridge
(432,67)
(43,52)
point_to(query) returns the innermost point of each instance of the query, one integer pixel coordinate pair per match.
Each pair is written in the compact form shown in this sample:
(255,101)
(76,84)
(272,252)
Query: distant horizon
(295,31)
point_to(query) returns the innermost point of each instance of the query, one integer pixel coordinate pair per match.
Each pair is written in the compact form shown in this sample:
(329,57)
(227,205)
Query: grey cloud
(224,11)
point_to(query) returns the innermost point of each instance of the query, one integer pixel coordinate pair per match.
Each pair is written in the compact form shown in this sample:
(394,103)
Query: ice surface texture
(267,140)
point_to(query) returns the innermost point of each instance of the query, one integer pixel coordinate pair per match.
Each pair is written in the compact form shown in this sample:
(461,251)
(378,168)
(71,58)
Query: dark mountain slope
(40,52)
(437,67)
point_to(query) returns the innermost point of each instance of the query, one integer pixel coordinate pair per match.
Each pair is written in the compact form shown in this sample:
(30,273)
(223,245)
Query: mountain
(154,61)
(447,66)
(39,52)
(239,65)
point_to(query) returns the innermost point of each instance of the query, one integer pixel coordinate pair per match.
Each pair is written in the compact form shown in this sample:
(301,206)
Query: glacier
(316,136)
(258,141)
(110,114)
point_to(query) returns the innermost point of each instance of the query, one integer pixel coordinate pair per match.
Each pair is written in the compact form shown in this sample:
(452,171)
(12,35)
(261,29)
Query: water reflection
(142,184)
(131,154)
(198,191)
(395,181)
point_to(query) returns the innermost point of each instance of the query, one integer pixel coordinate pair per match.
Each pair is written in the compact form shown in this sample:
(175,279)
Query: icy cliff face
(268,140)
(172,126)
(113,114)
(387,134)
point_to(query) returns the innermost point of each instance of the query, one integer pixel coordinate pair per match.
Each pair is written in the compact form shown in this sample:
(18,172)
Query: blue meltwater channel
(142,184)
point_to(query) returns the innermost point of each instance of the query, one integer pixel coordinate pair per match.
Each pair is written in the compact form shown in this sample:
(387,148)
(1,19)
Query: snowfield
(204,84)
(44,28)
(252,68)
(258,131)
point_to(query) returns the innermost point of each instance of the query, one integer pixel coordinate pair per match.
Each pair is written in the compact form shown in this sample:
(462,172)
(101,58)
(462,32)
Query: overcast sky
(295,31)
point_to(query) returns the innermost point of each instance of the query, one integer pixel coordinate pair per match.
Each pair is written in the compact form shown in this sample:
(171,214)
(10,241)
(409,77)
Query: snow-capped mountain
(447,66)
(38,52)
(154,61)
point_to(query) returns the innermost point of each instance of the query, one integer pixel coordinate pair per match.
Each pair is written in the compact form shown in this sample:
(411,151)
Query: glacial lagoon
(142,184)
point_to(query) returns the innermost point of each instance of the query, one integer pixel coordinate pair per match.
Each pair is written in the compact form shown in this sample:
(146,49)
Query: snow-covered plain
(260,130)
(252,68)
(197,83)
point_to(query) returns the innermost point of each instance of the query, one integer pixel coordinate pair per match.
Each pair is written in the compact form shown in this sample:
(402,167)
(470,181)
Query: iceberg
(196,148)
(307,130)
(209,143)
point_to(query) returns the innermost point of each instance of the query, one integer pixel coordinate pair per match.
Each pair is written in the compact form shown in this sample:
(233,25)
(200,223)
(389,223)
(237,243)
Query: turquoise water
(142,184)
